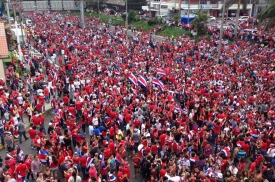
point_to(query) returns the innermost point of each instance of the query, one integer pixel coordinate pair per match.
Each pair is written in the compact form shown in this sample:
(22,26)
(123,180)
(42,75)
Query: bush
(137,18)
(131,16)
(153,21)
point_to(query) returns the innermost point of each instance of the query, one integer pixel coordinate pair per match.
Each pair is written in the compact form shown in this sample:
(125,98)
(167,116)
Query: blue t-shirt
(96,131)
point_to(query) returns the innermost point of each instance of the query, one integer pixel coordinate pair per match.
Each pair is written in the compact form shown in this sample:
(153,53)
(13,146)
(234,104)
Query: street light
(126,24)
(221,30)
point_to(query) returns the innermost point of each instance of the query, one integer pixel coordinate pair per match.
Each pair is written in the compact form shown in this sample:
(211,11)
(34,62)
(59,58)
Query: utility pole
(126,24)
(221,30)
(188,12)
(8,12)
(82,14)
(98,6)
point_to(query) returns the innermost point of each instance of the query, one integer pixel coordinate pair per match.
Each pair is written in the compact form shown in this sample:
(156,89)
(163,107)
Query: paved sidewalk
(27,124)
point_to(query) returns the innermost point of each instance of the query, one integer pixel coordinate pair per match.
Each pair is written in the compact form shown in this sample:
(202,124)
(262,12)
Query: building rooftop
(4,52)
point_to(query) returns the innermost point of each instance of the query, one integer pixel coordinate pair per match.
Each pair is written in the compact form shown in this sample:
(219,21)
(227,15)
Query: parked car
(211,18)
(243,18)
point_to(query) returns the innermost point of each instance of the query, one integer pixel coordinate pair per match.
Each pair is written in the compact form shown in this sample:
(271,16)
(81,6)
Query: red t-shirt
(217,128)
(32,133)
(252,167)
(36,121)
(82,161)
(21,168)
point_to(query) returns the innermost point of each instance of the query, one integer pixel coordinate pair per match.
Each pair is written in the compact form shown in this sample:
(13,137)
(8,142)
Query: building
(213,7)
(4,52)
(120,4)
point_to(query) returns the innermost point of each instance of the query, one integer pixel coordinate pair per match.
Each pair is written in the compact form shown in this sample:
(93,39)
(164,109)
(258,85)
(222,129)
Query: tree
(176,18)
(268,14)
(228,4)
(200,21)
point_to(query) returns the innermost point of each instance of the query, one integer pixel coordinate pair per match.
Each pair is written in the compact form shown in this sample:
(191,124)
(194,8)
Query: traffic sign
(205,6)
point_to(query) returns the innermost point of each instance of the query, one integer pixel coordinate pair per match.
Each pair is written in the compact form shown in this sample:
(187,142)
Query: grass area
(173,31)
(167,31)
(143,24)
(105,18)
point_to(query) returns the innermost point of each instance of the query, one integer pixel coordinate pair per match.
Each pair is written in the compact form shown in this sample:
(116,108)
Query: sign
(1,12)
(205,6)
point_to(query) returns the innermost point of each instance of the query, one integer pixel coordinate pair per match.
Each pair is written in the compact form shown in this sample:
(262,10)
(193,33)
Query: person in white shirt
(271,151)
(233,169)
(91,129)
(20,99)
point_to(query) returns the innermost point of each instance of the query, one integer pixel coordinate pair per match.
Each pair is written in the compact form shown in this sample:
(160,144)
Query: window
(163,6)
(214,1)
(203,1)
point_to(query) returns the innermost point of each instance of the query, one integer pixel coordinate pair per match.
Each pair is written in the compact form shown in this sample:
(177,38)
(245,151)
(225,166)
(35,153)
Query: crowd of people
(171,110)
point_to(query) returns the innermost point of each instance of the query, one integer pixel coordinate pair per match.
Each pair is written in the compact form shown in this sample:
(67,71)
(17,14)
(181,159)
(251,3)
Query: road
(26,147)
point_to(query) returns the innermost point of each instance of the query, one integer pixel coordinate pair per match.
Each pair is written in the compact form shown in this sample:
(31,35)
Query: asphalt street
(26,147)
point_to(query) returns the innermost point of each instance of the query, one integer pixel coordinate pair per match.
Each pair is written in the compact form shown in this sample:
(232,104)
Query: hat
(220,175)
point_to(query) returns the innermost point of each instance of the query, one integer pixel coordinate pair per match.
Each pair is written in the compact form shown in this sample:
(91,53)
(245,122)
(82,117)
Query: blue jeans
(20,135)
(2,136)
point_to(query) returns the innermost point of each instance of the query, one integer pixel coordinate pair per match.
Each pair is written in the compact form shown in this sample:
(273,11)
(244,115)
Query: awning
(7,60)
(116,2)
(235,7)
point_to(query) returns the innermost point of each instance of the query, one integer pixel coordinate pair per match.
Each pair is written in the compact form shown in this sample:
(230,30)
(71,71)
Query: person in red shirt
(54,166)
(78,106)
(66,100)
(126,171)
(120,174)
(136,161)
(21,170)
(32,133)
(36,120)
(82,162)
(252,168)
(47,94)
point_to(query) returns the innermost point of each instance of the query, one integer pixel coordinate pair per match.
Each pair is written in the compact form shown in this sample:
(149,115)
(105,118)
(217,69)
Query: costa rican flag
(161,72)
(212,49)
(142,81)
(42,155)
(178,108)
(224,42)
(236,48)
(89,162)
(157,82)
(133,79)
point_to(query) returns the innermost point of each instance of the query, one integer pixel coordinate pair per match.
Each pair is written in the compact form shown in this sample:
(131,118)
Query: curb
(27,134)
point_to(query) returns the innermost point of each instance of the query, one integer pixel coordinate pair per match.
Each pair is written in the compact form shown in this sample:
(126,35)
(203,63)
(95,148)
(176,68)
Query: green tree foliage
(268,14)
(199,22)
(131,16)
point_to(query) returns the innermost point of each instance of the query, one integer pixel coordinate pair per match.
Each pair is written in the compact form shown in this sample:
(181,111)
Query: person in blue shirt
(96,131)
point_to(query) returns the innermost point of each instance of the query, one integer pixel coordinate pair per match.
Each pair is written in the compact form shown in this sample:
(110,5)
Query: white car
(211,18)
(243,18)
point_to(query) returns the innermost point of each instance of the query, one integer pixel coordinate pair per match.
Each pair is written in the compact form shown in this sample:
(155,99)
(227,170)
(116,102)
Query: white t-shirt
(20,99)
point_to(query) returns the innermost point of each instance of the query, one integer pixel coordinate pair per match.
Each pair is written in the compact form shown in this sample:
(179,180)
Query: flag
(236,48)
(178,108)
(142,81)
(161,72)
(89,162)
(157,82)
(212,49)
(42,155)
(133,79)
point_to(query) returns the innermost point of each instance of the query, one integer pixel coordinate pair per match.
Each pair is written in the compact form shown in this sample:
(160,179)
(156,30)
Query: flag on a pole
(157,82)
(161,72)
(142,81)
(133,79)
